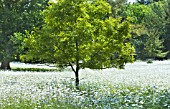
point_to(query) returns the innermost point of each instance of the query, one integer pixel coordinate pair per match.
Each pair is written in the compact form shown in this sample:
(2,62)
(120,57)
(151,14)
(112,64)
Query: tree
(116,7)
(166,36)
(16,17)
(151,20)
(146,2)
(154,46)
(79,35)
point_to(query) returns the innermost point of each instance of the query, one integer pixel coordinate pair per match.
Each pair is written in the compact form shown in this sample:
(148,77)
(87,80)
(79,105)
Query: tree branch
(72,67)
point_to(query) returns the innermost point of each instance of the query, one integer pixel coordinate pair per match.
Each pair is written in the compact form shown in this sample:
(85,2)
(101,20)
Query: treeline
(150,26)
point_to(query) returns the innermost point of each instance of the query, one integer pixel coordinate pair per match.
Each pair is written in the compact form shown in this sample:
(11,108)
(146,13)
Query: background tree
(16,16)
(166,36)
(116,7)
(79,35)
(154,46)
(151,18)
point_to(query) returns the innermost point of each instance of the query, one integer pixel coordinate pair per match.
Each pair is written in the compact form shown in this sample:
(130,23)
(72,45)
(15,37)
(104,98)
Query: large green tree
(77,33)
(16,16)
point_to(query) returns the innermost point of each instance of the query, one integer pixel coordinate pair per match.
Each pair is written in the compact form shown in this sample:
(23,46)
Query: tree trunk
(76,71)
(5,65)
(77,65)
(77,79)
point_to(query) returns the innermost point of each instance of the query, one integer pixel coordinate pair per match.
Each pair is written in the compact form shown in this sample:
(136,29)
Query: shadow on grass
(37,69)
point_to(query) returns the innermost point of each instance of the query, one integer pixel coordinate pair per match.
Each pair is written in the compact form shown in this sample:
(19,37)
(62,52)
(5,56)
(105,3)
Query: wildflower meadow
(139,85)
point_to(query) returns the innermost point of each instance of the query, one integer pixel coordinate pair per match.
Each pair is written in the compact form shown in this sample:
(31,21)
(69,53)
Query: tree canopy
(81,34)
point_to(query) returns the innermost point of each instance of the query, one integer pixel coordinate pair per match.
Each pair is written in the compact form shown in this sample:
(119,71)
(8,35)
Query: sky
(131,1)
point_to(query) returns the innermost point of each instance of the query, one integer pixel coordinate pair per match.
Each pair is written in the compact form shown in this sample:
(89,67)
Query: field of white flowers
(139,85)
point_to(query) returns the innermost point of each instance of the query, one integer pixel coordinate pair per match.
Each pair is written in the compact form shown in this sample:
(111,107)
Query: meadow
(139,85)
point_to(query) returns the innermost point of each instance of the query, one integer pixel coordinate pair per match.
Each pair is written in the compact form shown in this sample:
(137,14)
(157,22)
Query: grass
(139,85)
